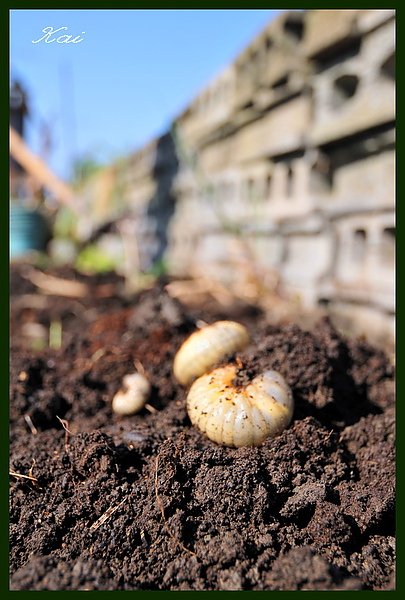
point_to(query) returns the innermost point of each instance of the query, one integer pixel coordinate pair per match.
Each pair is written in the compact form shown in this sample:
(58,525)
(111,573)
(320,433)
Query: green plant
(94,260)
(65,223)
(159,268)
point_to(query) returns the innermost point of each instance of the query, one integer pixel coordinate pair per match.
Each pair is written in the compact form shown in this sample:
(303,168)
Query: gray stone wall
(296,143)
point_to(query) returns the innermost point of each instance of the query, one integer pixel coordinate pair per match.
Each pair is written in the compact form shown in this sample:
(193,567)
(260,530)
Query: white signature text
(51,35)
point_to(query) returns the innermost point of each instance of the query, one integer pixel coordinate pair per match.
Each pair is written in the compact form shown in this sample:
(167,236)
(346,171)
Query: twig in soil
(139,367)
(56,286)
(32,467)
(110,511)
(200,286)
(20,476)
(239,362)
(30,424)
(143,539)
(162,510)
(55,335)
(31,301)
(98,354)
(65,425)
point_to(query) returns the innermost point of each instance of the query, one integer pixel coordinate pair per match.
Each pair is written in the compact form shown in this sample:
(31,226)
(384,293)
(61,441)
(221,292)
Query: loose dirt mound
(146,502)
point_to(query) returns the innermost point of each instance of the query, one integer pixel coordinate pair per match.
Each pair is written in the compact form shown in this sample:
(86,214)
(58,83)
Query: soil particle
(302,569)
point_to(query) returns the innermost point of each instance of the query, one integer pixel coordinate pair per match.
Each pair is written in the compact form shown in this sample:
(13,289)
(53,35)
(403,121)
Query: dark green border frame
(189,4)
(4,251)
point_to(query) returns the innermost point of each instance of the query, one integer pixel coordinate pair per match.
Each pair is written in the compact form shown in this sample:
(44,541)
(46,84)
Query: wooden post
(40,171)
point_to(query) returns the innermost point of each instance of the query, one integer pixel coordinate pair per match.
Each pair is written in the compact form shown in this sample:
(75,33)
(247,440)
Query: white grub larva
(134,395)
(233,415)
(207,346)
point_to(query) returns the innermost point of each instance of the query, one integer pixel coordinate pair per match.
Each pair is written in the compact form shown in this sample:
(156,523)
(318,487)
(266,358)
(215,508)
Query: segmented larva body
(240,416)
(134,395)
(207,346)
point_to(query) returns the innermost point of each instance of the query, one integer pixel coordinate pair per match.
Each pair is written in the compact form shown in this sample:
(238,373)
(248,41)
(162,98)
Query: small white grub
(207,346)
(133,396)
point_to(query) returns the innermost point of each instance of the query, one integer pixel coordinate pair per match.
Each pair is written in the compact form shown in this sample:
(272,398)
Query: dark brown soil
(146,502)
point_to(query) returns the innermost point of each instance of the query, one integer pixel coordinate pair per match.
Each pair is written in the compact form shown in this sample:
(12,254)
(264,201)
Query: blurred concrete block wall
(304,120)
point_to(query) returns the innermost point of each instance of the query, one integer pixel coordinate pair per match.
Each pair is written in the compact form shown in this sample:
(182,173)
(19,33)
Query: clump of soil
(147,502)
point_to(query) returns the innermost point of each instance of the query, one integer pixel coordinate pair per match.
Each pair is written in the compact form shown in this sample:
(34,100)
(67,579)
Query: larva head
(239,416)
(133,397)
(206,347)
(136,381)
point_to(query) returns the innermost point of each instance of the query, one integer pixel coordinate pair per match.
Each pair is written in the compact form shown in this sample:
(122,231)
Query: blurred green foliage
(159,268)
(65,223)
(84,168)
(92,259)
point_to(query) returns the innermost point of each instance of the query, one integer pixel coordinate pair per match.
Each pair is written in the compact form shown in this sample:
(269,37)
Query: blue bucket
(29,230)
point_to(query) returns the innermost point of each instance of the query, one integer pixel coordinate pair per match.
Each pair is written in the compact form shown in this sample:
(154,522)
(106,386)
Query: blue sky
(133,72)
